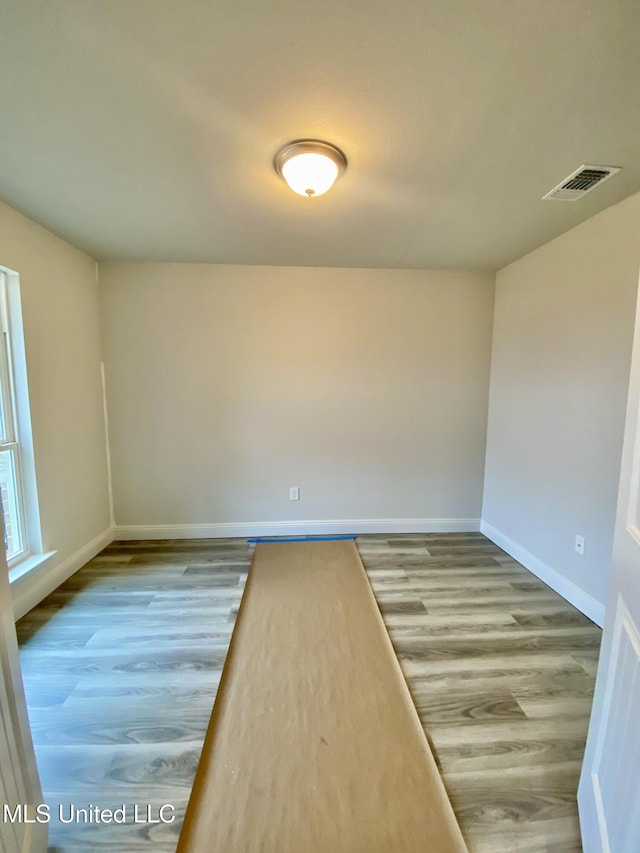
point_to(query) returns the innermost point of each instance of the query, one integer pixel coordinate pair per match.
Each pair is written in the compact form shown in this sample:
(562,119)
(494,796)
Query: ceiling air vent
(579,183)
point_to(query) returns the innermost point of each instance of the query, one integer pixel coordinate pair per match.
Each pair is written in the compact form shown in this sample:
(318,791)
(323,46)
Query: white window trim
(34,554)
(25,565)
(10,443)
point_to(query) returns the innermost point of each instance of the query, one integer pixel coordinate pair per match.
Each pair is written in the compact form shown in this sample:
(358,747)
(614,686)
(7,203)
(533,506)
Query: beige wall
(365,388)
(62,343)
(560,366)
(226,385)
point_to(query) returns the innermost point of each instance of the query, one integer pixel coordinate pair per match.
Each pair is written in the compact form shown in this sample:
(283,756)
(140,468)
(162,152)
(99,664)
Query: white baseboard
(29,589)
(297,528)
(585,603)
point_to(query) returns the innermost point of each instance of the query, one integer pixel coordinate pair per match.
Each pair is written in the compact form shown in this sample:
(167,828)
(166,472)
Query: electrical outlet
(294,493)
(579,546)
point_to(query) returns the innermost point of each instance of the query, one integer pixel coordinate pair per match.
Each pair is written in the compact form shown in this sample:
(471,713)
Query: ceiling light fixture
(309,166)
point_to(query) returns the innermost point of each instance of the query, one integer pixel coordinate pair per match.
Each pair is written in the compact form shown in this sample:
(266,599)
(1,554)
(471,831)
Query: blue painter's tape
(299,539)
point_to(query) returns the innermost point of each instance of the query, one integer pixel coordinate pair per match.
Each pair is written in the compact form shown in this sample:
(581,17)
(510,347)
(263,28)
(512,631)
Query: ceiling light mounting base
(309,166)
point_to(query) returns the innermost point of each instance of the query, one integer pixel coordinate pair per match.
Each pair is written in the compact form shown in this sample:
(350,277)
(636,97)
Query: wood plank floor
(121,666)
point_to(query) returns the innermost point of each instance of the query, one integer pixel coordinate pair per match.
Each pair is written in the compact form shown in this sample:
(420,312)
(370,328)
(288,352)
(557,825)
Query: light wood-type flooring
(122,662)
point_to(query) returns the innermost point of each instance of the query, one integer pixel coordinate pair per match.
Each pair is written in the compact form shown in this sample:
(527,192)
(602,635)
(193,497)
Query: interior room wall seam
(105,408)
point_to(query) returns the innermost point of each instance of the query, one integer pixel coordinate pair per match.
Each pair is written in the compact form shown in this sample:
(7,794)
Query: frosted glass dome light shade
(310,174)
(310,166)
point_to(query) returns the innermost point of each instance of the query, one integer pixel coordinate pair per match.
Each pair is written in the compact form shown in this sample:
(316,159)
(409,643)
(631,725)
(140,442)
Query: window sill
(34,561)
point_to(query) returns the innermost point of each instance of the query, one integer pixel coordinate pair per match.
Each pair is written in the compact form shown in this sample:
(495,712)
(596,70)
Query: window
(18,487)
(11,481)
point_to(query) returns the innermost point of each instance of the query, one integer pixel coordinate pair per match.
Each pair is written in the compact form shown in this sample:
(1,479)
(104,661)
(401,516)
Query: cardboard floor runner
(314,745)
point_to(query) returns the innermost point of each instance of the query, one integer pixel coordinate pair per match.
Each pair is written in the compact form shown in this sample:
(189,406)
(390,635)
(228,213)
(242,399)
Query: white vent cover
(580,182)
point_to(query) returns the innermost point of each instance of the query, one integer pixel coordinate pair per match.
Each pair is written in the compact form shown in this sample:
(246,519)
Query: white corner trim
(107,442)
(31,587)
(295,528)
(585,603)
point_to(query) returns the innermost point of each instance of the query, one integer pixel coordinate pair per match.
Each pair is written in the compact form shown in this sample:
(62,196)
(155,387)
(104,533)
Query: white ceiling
(145,129)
